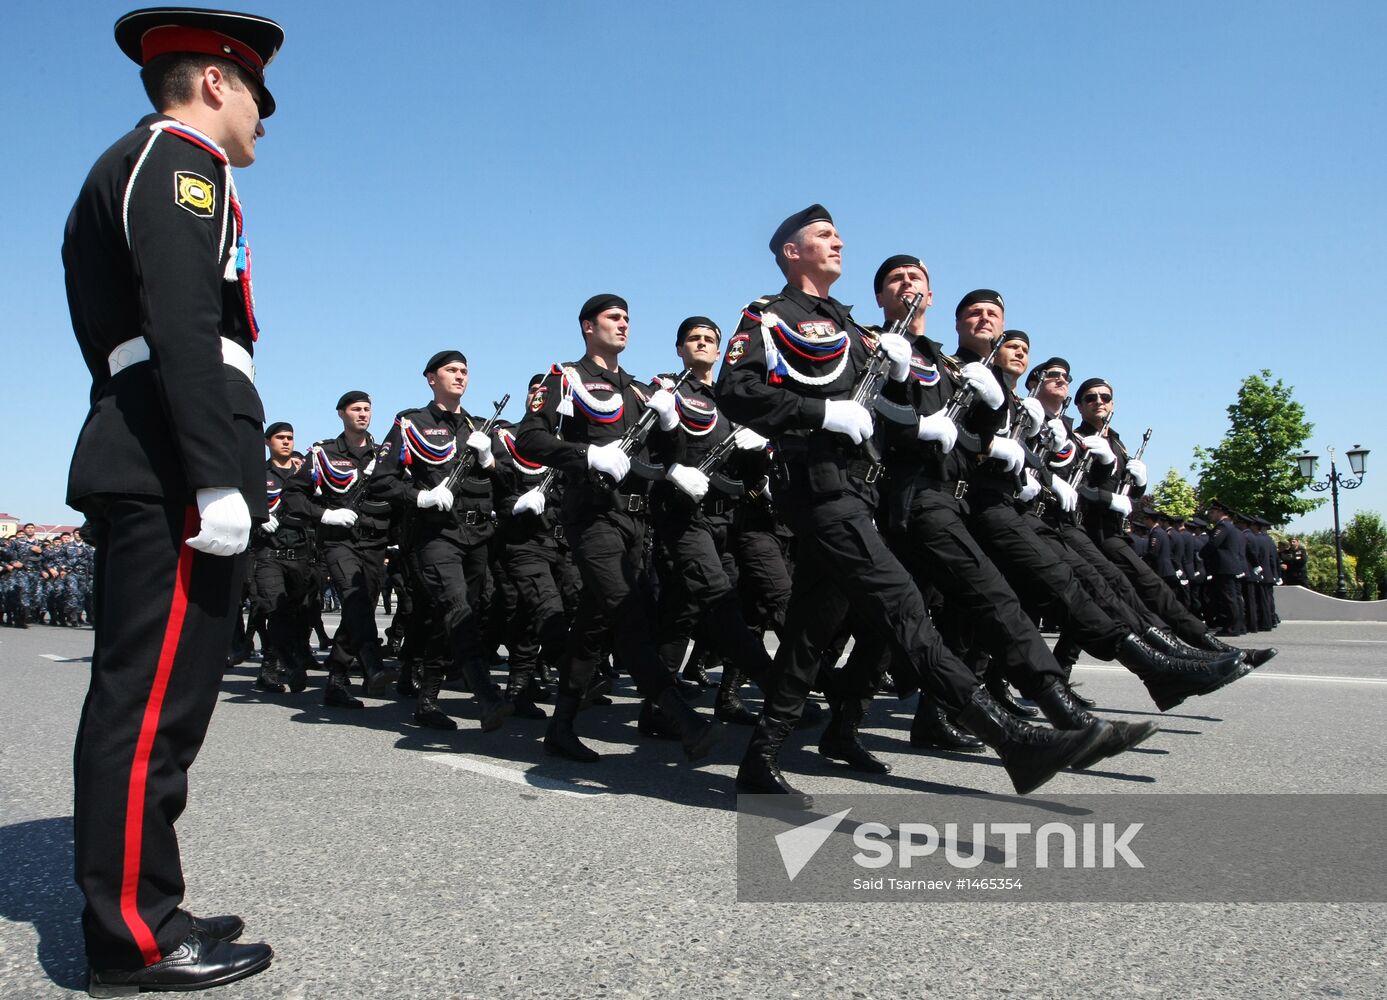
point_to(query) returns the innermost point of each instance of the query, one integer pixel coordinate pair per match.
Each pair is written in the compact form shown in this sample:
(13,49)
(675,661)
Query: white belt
(136,349)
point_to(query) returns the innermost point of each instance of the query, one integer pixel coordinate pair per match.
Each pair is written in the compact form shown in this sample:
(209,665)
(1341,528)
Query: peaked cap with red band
(248,40)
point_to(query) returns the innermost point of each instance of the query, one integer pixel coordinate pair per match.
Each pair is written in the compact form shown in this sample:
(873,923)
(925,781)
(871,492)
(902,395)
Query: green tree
(1365,538)
(1253,468)
(1323,571)
(1174,495)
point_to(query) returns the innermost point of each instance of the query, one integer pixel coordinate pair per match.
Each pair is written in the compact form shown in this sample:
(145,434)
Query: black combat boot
(404,685)
(1255,657)
(728,705)
(1171,679)
(338,693)
(492,707)
(379,677)
(1173,645)
(760,770)
(1059,706)
(932,729)
(697,732)
(426,710)
(296,672)
(841,742)
(1032,755)
(269,678)
(560,739)
(997,687)
(651,722)
(518,690)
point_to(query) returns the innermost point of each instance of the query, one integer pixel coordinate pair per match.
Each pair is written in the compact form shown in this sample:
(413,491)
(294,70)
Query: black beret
(979,295)
(352,396)
(444,358)
(600,303)
(891,263)
(693,323)
(1088,384)
(248,40)
(277,426)
(796,222)
(1020,335)
(536,379)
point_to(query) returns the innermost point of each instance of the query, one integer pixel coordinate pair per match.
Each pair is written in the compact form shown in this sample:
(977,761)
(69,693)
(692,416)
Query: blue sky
(1171,196)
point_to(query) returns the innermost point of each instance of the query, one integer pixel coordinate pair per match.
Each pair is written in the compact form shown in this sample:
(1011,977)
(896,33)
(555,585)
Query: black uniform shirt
(287,496)
(341,474)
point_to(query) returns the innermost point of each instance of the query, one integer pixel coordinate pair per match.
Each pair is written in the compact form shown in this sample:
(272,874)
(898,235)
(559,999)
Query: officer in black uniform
(789,374)
(169,471)
(446,535)
(1223,557)
(587,407)
(279,549)
(353,531)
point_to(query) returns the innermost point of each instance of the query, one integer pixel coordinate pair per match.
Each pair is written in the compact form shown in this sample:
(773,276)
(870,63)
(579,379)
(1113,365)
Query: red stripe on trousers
(149,728)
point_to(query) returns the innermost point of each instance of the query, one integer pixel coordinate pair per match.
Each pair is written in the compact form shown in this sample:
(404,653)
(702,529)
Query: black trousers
(614,609)
(1152,591)
(842,565)
(446,578)
(763,570)
(282,586)
(938,550)
(1252,604)
(1227,593)
(357,569)
(540,624)
(1041,579)
(163,622)
(698,583)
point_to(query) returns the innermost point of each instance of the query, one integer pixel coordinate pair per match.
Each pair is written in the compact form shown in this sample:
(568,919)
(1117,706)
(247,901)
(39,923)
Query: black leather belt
(298,552)
(868,472)
(717,505)
(631,503)
(363,532)
(475,517)
(958,489)
(558,532)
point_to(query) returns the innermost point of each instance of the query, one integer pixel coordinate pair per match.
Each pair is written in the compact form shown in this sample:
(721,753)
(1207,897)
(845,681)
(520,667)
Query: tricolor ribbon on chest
(526,467)
(325,475)
(781,342)
(695,420)
(414,445)
(575,393)
(272,499)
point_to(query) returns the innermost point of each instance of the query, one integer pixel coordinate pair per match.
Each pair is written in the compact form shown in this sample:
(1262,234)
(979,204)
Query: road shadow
(38,889)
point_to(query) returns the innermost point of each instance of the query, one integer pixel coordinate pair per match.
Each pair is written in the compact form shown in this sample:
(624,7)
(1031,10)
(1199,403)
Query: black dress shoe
(198,963)
(227,928)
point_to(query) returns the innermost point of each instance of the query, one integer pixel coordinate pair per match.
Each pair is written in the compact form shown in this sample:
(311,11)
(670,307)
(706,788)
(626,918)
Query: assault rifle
(636,434)
(1126,488)
(465,463)
(869,384)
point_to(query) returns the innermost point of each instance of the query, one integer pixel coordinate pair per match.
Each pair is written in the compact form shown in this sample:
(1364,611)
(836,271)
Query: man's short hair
(172,79)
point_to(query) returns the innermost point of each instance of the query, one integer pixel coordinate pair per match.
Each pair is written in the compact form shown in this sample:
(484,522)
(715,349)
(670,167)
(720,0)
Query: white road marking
(60,659)
(559,786)
(1365,642)
(1257,674)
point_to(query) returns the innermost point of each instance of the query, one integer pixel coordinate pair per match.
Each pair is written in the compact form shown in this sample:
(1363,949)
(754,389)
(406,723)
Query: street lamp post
(1306,465)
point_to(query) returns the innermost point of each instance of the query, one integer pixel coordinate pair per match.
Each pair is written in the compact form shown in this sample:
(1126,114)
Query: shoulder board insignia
(639,390)
(383,451)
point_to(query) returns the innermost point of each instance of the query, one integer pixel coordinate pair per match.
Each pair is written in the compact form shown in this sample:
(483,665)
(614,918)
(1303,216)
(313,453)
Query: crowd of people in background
(46,580)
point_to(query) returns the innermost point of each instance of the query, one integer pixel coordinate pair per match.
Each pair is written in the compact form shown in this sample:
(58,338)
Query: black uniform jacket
(1223,556)
(288,496)
(147,251)
(341,477)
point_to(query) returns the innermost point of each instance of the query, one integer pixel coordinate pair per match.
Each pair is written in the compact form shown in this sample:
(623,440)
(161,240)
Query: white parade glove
(938,427)
(688,479)
(530,503)
(225,528)
(1180,573)
(1120,504)
(1137,470)
(766,492)
(440,496)
(1032,488)
(481,444)
(609,458)
(1067,496)
(1034,415)
(662,402)
(897,348)
(341,517)
(748,440)
(1102,451)
(1059,436)
(984,383)
(1008,451)
(847,417)
(270,526)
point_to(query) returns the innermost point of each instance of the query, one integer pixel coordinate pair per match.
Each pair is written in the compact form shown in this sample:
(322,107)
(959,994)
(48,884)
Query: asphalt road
(383,860)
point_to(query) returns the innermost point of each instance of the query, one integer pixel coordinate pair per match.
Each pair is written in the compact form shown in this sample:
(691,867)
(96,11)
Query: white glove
(270,526)
(938,427)
(1067,496)
(1032,488)
(1034,415)
(662,402)
(984,383)
(530,503)
(846,417)
(440,496)
(1008,451)
(897,348)
(1102,451)
(1120,504)
(688,479)
(609,458)
(748,440)
(481,444)
(341,517)
(1137,470)
(1059,437)
(225,528)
